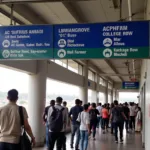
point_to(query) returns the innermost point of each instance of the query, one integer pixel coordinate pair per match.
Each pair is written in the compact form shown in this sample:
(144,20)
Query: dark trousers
(132,122)
(56,137)
(64,142)
(120,126)
(93,125)
(127,124)
(9,146)
(112,127)
(105,122)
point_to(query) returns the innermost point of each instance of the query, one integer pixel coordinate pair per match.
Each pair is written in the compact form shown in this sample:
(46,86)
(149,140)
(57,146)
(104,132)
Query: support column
(116,95)
(84,90)
(112,95)
(36,103)
(97,88)
(106,93)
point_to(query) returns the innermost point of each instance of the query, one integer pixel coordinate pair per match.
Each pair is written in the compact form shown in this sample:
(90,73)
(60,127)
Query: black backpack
(56,120)
(93,115)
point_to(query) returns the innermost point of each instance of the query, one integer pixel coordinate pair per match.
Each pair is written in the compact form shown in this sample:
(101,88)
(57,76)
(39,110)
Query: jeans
(47,132)
(56,136)
(84,140)
(75,129)
(93,124)
(9,146)
(132,122)
(120,126)
(99,120)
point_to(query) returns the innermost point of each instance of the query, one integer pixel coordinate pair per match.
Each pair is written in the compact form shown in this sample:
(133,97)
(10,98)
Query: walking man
(73,115)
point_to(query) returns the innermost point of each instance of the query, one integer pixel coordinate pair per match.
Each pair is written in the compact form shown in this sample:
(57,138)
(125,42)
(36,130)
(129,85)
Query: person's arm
(124,115)
(29,130)
(88,123)
(70,113)
(49,114)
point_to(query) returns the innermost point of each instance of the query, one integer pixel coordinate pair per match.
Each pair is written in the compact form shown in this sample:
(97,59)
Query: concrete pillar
(116,95)
(97,88)
(112,95)
(84,90)
(36,102)
(106,93)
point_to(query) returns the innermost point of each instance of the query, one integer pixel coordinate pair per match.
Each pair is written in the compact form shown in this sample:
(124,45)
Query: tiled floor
(106,142)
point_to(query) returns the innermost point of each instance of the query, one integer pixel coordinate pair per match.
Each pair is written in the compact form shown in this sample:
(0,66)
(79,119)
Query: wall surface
(27,66)
(145,101)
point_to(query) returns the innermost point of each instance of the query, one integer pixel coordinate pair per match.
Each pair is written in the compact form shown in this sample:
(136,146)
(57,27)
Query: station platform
(107,142)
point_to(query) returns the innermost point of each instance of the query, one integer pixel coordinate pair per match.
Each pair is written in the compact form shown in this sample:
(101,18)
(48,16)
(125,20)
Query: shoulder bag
(25,143)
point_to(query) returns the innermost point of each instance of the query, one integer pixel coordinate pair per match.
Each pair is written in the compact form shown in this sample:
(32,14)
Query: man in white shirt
(84,127)
(99,108)
(132,116)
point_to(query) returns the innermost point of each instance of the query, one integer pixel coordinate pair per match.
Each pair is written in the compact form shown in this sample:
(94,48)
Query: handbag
(25,143)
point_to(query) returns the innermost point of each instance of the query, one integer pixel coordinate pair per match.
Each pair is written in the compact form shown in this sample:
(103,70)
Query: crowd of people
(84,121)
(87,118)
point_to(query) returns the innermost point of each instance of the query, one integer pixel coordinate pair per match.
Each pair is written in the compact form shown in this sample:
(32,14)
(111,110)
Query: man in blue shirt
(73,115)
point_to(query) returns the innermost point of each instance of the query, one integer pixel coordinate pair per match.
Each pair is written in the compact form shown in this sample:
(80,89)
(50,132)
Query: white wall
(146,68)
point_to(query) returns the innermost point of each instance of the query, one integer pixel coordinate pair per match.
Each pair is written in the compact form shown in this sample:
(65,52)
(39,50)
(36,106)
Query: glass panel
(101,98)
(91,75)
(73,66)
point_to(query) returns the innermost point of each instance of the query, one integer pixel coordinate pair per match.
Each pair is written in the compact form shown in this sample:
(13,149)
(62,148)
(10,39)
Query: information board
(102,40)
(26,42)
(130,85)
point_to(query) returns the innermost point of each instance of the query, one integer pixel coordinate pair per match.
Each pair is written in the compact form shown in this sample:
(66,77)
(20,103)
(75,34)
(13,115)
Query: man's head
(64,103)
(52,102)
(93,105)
(12,95)
(116,103)
(85,107)
(77,102)
(100,104)
(81,103)
(126,104)
(59,100)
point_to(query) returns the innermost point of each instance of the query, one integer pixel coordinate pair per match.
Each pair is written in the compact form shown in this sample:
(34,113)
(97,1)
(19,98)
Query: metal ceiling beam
(113,74)
(14,18)
(36,1)
(28,14)
(113,68)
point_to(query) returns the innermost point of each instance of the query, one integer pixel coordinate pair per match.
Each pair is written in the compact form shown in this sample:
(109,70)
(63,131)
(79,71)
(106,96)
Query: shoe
(103,132)
(94,139)
(71,146)
(116,141)
(121,141)
(77,148)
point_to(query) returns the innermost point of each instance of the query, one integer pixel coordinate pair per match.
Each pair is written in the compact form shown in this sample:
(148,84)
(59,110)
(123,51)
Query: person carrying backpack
(118,117)
(57,120)
(93,119)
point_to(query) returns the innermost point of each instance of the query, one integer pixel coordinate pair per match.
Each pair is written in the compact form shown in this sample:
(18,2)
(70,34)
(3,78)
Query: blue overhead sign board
(26,42)
(76,41)
(102,40)
(130,85)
